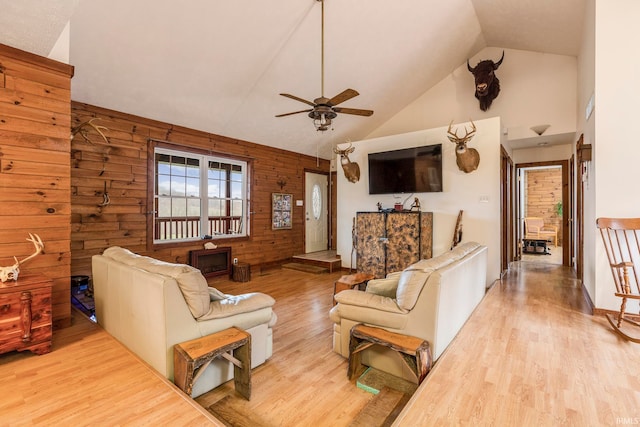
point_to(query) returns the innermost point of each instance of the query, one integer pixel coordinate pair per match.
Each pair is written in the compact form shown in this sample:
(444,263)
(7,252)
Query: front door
(316,212)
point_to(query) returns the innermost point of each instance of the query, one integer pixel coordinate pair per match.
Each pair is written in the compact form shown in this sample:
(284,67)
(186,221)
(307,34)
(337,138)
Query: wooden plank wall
(35,117)
(121,166)
(544,191)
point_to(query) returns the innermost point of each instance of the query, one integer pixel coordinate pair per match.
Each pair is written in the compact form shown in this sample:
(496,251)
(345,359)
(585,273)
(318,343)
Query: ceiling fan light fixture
(322,124)
(322,117)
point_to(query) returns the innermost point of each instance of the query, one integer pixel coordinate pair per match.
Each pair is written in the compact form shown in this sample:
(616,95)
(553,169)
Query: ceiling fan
(325,109)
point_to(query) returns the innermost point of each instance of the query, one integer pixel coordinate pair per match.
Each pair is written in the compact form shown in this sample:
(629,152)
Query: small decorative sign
(281,211)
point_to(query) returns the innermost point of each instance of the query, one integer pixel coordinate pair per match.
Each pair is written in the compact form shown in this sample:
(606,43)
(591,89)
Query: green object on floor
(373,380)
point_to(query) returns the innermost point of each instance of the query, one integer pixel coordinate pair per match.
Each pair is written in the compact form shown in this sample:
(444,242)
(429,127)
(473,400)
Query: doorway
(543,194)
(316,212)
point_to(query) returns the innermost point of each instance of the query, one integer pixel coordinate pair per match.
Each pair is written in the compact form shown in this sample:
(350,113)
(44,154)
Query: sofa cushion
(409,287)
(216,295)
(146,263)
(414,277)
(195,291)
(384,287)
(238,304)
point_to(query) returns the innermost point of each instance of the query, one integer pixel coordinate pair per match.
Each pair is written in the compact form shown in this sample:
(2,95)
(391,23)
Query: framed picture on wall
(281,211)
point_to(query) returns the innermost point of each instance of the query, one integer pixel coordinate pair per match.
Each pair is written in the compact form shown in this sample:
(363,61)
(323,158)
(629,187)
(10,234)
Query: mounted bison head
(487,84)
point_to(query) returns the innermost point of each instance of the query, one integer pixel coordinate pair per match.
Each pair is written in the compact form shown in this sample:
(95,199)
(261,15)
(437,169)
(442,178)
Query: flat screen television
(409,170)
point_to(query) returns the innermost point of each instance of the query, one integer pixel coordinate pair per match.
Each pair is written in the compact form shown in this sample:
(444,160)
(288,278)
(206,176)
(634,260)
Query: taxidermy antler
(467,159)
(83,130)
(351,169)
(11,272)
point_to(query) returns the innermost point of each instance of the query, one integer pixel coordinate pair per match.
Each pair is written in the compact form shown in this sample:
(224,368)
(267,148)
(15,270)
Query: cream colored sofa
(150,305)
(430,299)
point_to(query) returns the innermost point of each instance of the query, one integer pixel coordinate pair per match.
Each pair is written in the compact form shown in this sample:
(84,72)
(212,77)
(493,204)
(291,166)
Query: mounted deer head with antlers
(467,159)
(351,169)
(12,272)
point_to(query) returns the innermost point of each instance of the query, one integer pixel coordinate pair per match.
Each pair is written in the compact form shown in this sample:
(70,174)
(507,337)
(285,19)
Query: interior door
(316,212)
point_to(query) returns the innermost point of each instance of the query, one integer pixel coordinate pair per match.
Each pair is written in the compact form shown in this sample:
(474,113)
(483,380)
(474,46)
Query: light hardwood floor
(532,355)
(89,379)
(529,355)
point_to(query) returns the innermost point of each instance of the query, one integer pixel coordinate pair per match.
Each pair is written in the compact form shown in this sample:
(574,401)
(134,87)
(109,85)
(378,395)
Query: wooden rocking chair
(621,241)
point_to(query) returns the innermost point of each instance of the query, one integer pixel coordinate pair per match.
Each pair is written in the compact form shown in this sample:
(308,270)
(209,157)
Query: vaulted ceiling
(218,66)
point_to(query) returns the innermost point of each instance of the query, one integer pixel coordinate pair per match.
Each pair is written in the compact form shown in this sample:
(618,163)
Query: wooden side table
(25,314)
(241,272)
(351,281)
(191,358)
(415,352)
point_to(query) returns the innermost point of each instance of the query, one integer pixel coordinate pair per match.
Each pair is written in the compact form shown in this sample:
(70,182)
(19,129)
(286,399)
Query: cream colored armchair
(536,229)
(149,305)
(430,299)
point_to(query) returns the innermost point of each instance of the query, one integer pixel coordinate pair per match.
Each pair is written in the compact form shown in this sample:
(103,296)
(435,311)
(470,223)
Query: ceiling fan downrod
(324,110)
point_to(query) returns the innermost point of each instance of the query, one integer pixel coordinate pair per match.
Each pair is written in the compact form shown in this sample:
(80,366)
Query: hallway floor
(532,355)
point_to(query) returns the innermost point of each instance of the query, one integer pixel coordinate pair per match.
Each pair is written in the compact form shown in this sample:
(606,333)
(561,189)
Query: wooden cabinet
(25,314)
(391,241)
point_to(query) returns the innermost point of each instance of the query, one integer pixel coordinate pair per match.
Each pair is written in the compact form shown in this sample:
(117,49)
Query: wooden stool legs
(415,352)
(191,358)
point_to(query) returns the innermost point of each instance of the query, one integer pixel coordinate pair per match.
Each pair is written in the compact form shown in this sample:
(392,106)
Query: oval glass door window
(316,197)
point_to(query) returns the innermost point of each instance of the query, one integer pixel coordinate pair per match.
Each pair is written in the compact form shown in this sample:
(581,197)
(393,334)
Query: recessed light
(542,144)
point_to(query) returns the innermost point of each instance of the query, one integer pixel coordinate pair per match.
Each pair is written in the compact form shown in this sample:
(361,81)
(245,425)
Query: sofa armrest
(363,307)
(368,300)
(384,287)
(238,304)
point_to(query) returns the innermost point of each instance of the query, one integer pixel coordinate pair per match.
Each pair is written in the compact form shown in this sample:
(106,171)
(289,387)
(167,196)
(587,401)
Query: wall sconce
(584,154)
(539,129)
(281,182)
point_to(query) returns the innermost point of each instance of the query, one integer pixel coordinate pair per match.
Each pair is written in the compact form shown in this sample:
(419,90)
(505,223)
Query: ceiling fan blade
(298,99)
(355,111)
(295,112)
(345,95)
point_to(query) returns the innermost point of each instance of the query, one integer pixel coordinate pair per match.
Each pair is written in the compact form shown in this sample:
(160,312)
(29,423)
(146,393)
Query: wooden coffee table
(351,281)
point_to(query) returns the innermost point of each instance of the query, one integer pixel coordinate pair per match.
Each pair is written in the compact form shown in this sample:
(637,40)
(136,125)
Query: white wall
(542,154)
(615,157)
(586,88)
(536,89)
(481,220)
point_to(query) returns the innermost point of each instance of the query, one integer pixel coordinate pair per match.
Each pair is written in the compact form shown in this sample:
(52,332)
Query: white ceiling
(218,66)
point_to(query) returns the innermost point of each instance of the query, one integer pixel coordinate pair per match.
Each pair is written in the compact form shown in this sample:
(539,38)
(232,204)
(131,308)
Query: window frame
(206,156)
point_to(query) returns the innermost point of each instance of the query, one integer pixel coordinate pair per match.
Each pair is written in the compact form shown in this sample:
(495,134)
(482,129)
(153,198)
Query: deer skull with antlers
(12,272)
(83,130)
(467,159)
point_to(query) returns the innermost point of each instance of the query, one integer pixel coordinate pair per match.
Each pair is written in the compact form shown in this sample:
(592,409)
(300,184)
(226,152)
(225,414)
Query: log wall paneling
(35,119)
(121,165)
(544,191)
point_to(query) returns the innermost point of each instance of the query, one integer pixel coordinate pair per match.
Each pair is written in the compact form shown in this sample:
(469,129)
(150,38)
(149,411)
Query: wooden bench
(191,358)
(415,352)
